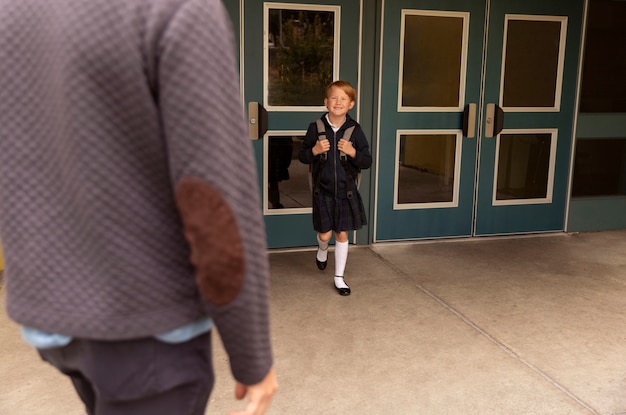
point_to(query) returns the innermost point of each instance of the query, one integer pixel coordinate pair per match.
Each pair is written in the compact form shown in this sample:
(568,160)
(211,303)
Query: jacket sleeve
(306,151)
(214,180)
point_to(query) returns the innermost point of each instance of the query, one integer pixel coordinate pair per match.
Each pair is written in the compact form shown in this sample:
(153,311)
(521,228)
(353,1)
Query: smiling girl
(337,149)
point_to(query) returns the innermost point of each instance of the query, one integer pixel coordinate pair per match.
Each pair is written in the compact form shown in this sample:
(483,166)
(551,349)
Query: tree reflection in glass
(301,48)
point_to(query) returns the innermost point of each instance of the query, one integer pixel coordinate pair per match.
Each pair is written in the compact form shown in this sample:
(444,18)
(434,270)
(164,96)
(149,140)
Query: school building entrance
(469,107)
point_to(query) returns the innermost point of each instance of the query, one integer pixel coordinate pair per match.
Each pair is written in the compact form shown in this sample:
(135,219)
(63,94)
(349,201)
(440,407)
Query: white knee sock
(341,257)
(322,250)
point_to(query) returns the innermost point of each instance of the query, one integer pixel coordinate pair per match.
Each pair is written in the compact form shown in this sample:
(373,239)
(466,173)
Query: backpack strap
(314,182)
(347,135)
(321,129)
(356,175)
(321,134)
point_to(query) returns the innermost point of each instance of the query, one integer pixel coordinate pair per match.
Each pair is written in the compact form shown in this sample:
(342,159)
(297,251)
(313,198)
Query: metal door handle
(469,121)
(257,120)
(494,122)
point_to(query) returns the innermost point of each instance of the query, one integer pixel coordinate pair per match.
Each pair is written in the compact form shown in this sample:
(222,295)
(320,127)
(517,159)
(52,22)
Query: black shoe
(321,265)
(343,291)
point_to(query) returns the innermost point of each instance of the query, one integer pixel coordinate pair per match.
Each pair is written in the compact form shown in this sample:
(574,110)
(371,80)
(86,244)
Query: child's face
(338,102)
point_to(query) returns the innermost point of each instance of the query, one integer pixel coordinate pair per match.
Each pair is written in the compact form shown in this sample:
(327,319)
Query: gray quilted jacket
(128,192)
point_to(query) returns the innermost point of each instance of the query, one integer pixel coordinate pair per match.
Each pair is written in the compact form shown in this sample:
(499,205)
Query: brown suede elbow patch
(213,236)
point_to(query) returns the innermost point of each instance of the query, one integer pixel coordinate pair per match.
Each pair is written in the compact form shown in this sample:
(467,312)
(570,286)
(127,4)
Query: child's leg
(341,257)
(322,249)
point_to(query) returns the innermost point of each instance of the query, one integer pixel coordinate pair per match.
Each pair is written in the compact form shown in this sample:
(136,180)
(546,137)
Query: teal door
(475,116)
(290,52)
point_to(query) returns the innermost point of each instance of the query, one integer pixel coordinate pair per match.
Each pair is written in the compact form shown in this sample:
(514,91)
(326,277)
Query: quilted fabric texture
(105,106)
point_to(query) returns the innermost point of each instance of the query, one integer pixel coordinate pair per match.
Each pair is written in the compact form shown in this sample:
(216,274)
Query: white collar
(335,128)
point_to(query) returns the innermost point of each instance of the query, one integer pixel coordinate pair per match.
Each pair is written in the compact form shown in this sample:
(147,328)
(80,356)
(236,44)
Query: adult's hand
(259,395)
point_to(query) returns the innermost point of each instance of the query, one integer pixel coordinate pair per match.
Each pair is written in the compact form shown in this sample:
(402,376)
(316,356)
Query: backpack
(321,135)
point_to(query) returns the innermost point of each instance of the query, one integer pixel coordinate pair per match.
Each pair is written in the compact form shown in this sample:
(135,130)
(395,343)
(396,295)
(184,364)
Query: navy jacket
(333,178)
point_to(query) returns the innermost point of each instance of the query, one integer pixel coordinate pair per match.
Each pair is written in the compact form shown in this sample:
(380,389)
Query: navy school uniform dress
(337,203)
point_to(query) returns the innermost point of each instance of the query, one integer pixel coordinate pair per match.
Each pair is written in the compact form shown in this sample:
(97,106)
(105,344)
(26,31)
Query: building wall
(598,199)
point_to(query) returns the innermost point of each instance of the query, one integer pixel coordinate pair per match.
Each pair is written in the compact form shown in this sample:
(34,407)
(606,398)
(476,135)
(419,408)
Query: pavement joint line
(489,337)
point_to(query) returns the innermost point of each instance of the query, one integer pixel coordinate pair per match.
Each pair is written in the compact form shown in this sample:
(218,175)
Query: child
(336,162)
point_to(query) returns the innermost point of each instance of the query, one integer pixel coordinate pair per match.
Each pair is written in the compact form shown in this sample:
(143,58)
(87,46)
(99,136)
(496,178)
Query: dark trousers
(138,377)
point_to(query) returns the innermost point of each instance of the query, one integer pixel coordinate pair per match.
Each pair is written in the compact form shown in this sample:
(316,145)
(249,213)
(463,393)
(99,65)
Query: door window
(433,60)
(533,62)
(428,165)
(302,54)
(286,178)
(600,167)
(525,167)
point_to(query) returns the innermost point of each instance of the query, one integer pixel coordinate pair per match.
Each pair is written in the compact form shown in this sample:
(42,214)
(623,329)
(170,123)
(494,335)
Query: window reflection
(301,47)
(532,63)
(600,167)
(523,166)
(603,86)
(432,61)
(426,168)
(287,178)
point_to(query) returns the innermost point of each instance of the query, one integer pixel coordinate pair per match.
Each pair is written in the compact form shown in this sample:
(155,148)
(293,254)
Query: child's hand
(347,147)
(322,146)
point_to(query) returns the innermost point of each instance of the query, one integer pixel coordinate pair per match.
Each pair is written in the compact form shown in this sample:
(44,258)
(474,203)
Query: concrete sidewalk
(529,325)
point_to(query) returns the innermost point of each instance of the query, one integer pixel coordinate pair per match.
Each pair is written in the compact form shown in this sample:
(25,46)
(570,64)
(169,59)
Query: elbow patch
(216,246)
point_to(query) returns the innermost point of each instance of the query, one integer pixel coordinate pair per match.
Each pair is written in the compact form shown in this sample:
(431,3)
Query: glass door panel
(303,41)
(533,62)
(428,170)
(432,59)
(525,166)
(287,178)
